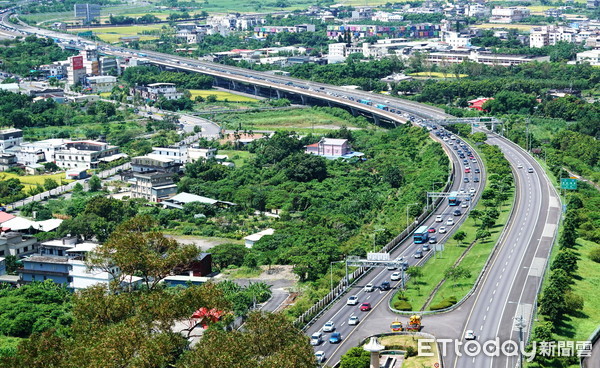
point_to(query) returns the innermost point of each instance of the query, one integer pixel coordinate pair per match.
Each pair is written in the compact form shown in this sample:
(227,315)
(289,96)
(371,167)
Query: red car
(467,170)
(365,307)
(431,230)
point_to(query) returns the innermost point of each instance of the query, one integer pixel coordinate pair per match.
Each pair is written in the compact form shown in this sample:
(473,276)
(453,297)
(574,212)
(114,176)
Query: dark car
(457,213)
(476,179)
(466,180)
(477,171)
(385,286)
(335,338)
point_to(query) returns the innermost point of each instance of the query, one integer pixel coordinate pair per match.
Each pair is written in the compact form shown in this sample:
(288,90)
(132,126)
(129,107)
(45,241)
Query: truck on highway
(382,107)
(366,102)
(413,325)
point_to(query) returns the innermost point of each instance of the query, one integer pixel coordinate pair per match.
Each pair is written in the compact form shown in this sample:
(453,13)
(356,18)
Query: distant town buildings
(589,56)
(357,31)
(264,31)
(550,35)
(85,154)
(155,91)
(509,15)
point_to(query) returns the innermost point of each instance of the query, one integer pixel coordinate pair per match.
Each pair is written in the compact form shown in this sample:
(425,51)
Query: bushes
(595,255)
(448,302)
(403,305)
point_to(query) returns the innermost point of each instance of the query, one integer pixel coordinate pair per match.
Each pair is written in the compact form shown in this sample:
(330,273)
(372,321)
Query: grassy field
(67,16)
(239,158)
(437,75)
(411,340)
(221,95)
(112,34)
(29,181)
(297,119)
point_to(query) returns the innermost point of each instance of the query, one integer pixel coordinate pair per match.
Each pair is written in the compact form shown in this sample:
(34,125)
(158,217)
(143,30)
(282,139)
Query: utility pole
(520,324)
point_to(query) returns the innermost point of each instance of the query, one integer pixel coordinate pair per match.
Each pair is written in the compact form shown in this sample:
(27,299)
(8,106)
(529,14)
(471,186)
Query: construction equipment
(414,323)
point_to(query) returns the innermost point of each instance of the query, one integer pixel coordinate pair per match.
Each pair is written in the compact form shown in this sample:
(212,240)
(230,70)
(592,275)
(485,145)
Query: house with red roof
(477,103)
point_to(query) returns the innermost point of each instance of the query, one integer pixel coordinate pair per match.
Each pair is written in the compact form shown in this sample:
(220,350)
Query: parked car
(335,338)
(365,307)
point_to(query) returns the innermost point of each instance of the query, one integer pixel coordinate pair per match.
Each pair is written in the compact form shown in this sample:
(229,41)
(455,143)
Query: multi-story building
(109,66)
(264,31)
(57,69)
(15,244)
(153,186)
(75,70)
(191,37)
(155,91)
(589,56)
(154,162)
(34,152)
(7,160)
(40,268)
(10,138)
(455,39)
(454,57)
(550,35)
(85,154)
(57,247)
(196,153)
(90,60)
(330,147)
(178,154)
(358,31)
(101,83)
(509,15)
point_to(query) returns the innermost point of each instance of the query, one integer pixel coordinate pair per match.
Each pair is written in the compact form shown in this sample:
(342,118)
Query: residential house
(196,153)
(155,91)
(550,35)
(589,56)
(15,244)
(57,247)
(181,199)
(10,138)
(154,162)
(329,147)
(101,83)
(86,154)
(7,160)
(509,15)
(358,31)
(477,103)
(40,268)
(153,186)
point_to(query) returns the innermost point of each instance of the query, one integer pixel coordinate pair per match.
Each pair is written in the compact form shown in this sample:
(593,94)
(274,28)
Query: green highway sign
(570,184)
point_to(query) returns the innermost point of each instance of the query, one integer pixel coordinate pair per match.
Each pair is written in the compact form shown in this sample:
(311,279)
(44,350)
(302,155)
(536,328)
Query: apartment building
(155,91)
(85,154)
(551,35)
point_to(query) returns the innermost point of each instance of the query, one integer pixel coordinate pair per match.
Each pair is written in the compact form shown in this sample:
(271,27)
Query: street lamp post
(520,324)
(407,207)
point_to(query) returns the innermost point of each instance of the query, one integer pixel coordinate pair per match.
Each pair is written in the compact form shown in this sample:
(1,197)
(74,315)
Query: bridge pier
(256,90)
(353,111)
(303,98)
(278,93)
(375,119)
(329,104)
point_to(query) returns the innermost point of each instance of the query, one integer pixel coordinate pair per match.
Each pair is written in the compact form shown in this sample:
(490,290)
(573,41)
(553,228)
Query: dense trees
(144,75)
(23,56)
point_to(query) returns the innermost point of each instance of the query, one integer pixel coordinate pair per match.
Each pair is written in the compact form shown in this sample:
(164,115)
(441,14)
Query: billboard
(77,62)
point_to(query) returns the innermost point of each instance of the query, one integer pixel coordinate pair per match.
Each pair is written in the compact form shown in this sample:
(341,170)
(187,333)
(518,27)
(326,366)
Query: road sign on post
(569,184)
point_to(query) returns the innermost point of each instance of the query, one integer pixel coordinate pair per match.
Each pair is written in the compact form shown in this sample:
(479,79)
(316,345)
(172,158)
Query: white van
(316,338)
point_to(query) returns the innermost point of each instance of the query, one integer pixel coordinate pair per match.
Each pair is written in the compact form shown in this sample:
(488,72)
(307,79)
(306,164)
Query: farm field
(520,27)
(221,95)
(29,181)
(112,34)
(295,119)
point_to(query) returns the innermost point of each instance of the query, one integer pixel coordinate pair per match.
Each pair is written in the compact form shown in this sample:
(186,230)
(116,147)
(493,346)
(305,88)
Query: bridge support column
(303,98)
(353,111)
(279,94)
(235,85)
(376,119)
(329,104)
(256,90)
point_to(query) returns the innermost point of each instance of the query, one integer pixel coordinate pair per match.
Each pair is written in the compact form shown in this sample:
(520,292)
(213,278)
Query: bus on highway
(421,235)
(453,199)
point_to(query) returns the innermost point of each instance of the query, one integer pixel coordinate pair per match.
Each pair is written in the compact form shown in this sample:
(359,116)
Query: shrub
(402,305)
(448,302)
(595,255)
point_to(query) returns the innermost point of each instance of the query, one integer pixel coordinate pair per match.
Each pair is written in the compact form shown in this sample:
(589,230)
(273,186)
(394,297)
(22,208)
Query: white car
(519,166)
(442,230)
(450,222)
(353,320)
(320,356)
(396,276)
(438,218)
(329,327)
(353,300)
(369,287)
(464,204)
(470,335)
(472,191)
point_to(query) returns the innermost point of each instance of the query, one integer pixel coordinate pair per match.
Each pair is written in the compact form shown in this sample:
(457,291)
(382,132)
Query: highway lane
(340,312)
(510,287)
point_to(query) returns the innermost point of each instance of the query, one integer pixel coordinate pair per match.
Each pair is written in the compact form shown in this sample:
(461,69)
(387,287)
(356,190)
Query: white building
(590,56)
(194,154)
(155,91)
(10,138)
(191,37)
(85,154)
(551,35)
(34,152)
(509,15)
(478,10)
(102,83)
(251,239)
(455,39)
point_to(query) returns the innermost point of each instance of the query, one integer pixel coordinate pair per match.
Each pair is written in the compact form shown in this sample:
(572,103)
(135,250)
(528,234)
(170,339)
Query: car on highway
(353,300)
(464,204)
(476,179)
(530,170)
(472,191)
(369,287)
(432,240)
(431,230)
(385,286)
(470,335)
(320,356)
(465,180)
(425,248)
(450,221)
(316,338)
(467,170)
(335,338)
(418,254)
(442,230)
(438,218)
(456,213)
(477,171)
(365,307)
(329,327)
(353,320)
(396,276)
(519,166)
